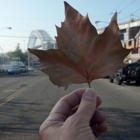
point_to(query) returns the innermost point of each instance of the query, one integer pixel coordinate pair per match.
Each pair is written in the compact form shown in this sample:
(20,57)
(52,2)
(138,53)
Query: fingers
(63,108)
(98,103)
(97,123)
(98,117)
(88,105)
(99,128)
(67,105)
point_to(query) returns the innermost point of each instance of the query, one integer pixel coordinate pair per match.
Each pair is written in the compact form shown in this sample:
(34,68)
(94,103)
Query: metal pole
(18,53)
(18,59)
(24,46)
(2,56)
(28,59)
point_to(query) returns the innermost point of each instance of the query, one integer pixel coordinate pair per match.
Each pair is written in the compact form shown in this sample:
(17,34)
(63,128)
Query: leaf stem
(88,77)
(89,83)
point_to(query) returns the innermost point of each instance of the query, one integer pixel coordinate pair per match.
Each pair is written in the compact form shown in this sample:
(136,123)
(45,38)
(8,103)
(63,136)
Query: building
(134,44)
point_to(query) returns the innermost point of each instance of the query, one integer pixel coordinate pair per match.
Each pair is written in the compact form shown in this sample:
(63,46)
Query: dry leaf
(82,54)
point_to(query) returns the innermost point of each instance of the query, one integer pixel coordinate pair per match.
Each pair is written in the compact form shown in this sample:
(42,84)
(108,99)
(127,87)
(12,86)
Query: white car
(23,69)
(30,69)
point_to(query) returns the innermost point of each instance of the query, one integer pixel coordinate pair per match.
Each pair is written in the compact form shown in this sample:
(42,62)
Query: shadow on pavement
(22,117)
(131,84)
(123,124)
(26,117)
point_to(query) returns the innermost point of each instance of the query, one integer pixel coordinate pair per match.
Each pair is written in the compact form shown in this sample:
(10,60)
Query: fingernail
(89,94)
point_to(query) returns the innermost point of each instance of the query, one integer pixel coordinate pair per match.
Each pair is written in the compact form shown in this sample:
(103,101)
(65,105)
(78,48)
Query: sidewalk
(3,73)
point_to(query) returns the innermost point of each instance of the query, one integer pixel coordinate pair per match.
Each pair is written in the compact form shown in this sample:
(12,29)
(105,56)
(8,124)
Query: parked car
(30,69)
(14,70)
(23,69)
(130,72)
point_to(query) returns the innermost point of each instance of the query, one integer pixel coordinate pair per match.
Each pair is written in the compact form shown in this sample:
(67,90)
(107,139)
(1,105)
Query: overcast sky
(25,16)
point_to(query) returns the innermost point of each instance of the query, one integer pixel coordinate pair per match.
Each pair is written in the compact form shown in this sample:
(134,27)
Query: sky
(24,16)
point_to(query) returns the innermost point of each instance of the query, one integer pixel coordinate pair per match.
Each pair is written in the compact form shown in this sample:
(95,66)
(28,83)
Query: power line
(135,15)
(124,17)
(17,18)
(120,4)
(132,14)
(100,15)
(39,19)
(117,8)
(127,6)
(24,37)
(136,11)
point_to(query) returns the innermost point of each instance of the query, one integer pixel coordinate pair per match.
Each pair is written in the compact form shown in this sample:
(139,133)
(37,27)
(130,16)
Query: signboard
(15,58)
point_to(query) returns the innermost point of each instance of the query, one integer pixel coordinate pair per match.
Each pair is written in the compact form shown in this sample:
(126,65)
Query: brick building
(135,45)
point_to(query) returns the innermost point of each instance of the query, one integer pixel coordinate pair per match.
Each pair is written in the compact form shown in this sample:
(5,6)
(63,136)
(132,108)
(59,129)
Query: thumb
(87,106)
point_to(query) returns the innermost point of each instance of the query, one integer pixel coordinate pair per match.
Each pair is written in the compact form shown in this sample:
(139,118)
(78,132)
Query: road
(26,100)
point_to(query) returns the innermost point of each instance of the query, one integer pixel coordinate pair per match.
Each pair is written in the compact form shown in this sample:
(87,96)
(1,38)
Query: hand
(75,117)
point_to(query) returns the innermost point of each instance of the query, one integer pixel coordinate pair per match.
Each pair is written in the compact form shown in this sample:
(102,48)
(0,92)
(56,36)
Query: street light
(100,21)
(6,28)
(115,15)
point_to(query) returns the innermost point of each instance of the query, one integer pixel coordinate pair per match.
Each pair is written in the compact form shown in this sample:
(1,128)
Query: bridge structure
(128,29)
(46,42)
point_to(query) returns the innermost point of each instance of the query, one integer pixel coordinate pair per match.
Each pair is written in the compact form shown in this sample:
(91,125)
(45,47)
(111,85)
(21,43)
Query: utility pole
(2,56)
(24,46)
(18,53)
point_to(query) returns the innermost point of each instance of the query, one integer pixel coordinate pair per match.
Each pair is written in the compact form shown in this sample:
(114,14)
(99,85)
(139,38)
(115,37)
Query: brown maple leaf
(82,54)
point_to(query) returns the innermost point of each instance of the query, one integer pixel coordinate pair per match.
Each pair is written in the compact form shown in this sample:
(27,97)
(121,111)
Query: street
(26,100)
